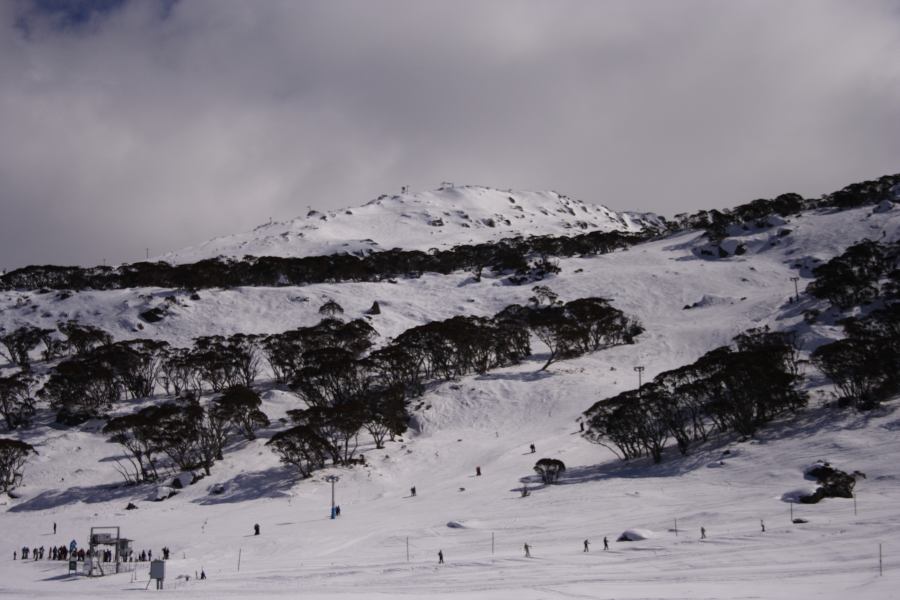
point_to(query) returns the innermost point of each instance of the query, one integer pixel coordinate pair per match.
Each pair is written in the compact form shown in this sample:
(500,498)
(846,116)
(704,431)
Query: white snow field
(482,523)
(442,218)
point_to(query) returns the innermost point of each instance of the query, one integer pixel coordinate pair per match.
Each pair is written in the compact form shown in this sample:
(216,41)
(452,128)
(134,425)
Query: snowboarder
(54,528)
(440,557)
(702,533)
(762,525)
(412,491)
(587,546)
(532,449)
(256,529)
(202,574)
(478,471)
(14,555)
(605,543)
(582,426)
(527,550)
(337,510)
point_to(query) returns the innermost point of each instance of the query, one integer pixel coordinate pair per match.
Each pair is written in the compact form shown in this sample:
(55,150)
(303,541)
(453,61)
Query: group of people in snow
(80,554)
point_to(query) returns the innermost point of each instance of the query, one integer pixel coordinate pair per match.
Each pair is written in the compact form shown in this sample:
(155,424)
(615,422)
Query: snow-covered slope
(482,523)
(446,217)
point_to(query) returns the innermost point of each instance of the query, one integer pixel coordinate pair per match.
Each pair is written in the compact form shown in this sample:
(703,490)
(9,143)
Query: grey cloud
(141,127)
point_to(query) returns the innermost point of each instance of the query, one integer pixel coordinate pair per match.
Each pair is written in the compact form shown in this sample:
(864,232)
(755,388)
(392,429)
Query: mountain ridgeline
(519,256)
(197,398)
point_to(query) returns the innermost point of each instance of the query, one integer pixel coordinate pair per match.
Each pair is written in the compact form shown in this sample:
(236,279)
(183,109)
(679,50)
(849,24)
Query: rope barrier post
(676,527)
(492,543)
(407,548)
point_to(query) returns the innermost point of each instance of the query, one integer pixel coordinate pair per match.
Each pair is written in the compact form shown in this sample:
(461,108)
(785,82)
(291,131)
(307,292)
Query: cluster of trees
(757,212)
(863,273)
(346,388)
(285,352)
(863,193)
(346,394)
(865,365)
(90,383)
(737,388)
(574,328)
(190,435)
(17,345)
(13,454)
(507,255)
(17,404)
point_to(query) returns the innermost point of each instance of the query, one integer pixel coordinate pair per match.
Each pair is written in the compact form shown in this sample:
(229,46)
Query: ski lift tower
(107,536)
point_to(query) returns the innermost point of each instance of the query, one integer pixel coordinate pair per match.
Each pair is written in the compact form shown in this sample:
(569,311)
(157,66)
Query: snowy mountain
(443,218)
(690,295)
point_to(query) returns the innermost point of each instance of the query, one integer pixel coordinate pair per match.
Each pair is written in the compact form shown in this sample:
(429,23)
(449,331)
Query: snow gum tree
(239,406)
(13,454)
(549,469)
(16,402)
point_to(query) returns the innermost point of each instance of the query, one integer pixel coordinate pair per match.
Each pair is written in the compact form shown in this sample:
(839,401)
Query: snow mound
(163,492)
(795,494)
(635,535)
(465,524)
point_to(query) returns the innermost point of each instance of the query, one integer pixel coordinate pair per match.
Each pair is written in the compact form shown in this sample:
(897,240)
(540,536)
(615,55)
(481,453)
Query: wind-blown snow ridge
(442,218)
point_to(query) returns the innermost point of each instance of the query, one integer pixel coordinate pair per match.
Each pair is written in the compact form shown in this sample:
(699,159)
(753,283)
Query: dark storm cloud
(156,124)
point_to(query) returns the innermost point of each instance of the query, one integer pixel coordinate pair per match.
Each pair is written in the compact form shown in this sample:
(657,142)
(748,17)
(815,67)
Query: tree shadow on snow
(87,495)
(271,483)
(673,465)
(807,423)
(524,376)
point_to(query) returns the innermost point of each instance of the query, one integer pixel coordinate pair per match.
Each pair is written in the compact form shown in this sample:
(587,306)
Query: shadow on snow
(271,483)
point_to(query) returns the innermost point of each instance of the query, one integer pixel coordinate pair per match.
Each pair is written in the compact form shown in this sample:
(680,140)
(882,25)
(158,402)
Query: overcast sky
(128,124)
